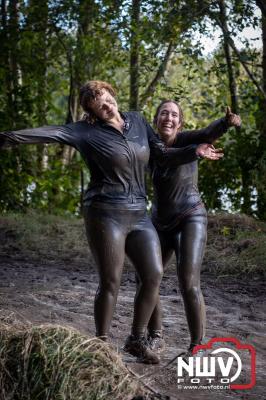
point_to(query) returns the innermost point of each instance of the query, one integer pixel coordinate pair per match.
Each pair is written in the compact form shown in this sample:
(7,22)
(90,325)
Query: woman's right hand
(206,150)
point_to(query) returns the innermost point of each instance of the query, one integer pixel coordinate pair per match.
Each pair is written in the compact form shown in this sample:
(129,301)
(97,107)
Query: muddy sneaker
(156,342)
(139,347)
(189,353)
(200,352)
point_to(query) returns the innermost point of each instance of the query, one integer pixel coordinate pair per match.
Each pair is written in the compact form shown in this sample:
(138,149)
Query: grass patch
(58,363)
(236,245)
(43,237)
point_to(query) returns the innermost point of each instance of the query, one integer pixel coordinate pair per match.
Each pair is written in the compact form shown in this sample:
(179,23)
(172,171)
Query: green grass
(43,237)
(236,243)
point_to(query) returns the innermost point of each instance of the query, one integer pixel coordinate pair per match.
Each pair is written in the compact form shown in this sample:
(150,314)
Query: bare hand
(206,150)
(231,118)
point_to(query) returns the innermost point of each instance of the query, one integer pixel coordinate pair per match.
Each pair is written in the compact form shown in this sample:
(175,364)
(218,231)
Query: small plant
(225,231)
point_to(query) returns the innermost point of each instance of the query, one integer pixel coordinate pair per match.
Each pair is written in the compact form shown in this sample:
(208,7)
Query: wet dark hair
(90,91)
(181,114)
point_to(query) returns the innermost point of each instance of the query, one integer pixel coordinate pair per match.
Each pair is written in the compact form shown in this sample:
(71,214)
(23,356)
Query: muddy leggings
(112,233)
(188,242)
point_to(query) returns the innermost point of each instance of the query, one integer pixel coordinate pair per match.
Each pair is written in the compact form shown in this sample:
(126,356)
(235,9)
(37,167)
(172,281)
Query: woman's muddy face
(168,122)
(104,106)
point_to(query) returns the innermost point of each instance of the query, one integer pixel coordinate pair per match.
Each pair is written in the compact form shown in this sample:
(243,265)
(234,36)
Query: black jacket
(117,162)
(176,191)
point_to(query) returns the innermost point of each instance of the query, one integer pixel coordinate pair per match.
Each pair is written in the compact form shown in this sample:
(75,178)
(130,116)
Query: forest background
(149,51)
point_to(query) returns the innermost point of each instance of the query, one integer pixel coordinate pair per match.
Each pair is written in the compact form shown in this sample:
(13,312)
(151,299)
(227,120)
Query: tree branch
(134,56)
(238,54)
(160,73)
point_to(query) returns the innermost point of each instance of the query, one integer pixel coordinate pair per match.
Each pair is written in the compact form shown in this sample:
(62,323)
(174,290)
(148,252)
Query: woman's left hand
(206,150)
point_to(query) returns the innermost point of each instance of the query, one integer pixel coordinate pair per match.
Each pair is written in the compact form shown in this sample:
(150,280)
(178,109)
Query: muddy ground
(62,293)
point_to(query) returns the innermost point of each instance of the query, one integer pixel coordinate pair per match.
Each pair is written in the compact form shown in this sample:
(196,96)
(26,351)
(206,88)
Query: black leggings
(188,242)
(112,233)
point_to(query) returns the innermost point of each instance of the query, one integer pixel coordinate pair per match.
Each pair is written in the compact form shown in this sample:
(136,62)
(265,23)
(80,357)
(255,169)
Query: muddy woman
(116,148)
(180,216)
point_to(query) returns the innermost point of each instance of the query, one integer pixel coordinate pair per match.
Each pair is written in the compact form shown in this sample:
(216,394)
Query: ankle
(155,333)
(104,338)
(138,334)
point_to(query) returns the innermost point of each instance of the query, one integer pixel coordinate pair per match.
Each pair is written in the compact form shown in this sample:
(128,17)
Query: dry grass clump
(58,363)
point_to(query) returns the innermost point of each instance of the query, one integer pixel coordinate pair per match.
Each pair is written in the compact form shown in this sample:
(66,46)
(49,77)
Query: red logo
(236,355)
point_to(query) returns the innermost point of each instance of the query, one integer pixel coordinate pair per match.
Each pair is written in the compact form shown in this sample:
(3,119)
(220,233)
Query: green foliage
(50,48)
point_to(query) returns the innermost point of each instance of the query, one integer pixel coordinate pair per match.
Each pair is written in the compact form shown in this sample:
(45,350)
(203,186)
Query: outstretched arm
(209,134)
(45,134)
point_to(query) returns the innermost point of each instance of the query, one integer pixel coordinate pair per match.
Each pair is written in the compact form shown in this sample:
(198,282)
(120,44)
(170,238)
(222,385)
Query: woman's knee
(189,276)
(190,289)
(153,278)
(110,286)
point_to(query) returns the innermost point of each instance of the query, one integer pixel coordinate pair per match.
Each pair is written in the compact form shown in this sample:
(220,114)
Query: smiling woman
(180,216)
(116,147)
(171,120)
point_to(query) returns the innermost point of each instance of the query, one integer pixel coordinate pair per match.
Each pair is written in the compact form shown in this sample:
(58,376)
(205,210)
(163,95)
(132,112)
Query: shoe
(199,353)
(139,347)
(156,342)
(189,353)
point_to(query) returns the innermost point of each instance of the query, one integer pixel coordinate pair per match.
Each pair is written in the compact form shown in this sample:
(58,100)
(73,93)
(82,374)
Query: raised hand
(231,118)
(206,150)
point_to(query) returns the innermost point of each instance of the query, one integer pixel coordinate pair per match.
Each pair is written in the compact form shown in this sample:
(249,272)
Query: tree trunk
(12,51)
(78,75)
(245,175)
(87,13)
(261,122)
(37,23)
(149,92)
(4,48)
(134,56)
(236,51)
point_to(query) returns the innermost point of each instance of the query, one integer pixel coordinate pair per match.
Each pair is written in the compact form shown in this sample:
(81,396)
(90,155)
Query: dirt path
(63,294)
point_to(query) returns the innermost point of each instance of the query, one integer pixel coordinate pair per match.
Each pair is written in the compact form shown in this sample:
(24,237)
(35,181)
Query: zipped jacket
(176,193)
(117,161)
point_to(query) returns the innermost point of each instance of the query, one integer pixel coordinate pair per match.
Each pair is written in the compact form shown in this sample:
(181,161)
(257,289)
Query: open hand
(231,118)
(206,150)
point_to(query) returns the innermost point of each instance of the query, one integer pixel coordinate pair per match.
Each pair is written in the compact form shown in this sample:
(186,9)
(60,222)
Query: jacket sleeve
(169,156)
(206,135)
(46,134)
